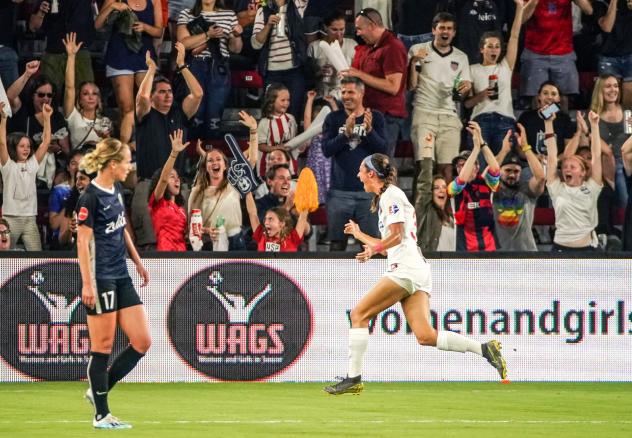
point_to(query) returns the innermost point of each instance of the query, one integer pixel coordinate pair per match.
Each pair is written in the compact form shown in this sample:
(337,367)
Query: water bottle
(627,122)
(221,244)
(195,230)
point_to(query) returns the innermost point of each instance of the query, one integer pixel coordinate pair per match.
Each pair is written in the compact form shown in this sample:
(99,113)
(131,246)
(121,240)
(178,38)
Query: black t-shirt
(474,18)
(23,122)
(618,42)
(415,16)
(73,16)
(152,139)
(534,125)
(7,24)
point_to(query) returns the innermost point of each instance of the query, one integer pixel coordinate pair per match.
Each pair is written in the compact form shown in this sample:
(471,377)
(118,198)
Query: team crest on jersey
(454,65)
(83,214)
(393,209)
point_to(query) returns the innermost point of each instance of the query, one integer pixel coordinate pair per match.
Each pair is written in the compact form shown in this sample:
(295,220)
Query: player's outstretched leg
(491,352)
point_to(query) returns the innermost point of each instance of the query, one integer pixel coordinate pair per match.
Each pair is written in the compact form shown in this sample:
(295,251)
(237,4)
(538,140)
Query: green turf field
(292,409)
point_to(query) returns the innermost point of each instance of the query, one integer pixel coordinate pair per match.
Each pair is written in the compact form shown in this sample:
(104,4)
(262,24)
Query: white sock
(450,341)
(358,341)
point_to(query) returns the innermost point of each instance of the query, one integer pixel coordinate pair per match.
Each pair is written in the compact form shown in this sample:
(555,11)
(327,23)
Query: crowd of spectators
(489,95)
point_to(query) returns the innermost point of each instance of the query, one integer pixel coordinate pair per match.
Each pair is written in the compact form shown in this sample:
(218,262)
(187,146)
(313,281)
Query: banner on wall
(287,320)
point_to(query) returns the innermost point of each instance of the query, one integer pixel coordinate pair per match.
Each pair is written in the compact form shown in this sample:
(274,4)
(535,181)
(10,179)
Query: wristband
(526,148)
(548,135)
(173,156)
(253,131)
(181,67)
(483,145)
(378,247)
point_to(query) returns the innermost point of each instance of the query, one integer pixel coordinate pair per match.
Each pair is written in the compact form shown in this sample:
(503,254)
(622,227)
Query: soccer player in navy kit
(107,290)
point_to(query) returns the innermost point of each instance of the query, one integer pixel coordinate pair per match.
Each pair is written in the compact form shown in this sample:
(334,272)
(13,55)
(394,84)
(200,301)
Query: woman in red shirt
(276,234)
(166,202)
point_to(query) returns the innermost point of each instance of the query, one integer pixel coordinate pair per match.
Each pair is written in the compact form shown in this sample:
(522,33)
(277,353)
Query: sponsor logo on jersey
(115,225)
(83,214)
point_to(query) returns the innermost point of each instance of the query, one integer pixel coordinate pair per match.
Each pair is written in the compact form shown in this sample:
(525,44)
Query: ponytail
(109,149)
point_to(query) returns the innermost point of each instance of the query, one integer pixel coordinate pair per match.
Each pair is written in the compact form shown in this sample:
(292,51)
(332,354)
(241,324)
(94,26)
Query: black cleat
(348,385)
(491,352)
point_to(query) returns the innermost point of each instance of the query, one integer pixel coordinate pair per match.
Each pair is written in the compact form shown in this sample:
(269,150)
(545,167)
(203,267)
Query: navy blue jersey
(104,211)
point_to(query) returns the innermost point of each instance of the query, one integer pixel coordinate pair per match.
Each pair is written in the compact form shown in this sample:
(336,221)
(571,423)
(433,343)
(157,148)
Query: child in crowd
(276,234)
(316,160)
(68,226)
(276,126)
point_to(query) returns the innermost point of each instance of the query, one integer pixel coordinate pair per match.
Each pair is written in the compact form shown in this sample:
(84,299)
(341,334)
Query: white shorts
(412,279)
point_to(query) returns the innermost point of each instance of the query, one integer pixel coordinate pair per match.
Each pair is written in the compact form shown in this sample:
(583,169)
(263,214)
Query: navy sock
(98,377)
(123,364)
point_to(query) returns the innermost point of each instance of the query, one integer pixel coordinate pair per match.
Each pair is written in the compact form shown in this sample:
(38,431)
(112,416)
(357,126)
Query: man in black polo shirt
(58,18)
(156,118)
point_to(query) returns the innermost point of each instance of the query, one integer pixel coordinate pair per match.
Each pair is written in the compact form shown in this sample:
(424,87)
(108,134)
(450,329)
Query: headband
(368,162)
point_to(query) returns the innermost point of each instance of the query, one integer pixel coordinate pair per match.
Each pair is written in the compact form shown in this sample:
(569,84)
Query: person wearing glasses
(156,118)
(381,66)
(5,235)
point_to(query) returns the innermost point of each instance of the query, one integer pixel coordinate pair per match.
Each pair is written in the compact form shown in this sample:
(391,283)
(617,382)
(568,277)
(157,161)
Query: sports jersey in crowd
(170,221)
(290,243)
(550,29)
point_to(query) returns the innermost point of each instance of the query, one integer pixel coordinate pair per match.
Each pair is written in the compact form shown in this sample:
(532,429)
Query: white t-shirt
(480,79)
(575,210)
(436,80)
(79,127)
(19,193)
(330,85)
(394,208)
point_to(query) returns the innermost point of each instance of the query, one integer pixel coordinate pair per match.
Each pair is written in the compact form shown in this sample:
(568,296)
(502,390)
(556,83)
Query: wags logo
(43,330)
(239,321)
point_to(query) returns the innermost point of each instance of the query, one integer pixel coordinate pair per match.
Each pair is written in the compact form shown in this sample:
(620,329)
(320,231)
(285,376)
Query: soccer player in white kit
(408,279)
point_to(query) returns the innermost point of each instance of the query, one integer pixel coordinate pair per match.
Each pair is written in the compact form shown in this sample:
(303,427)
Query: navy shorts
(114,294)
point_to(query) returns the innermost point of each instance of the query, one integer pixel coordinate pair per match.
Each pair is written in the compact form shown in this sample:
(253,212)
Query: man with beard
(514,202)
(440,75)
(350,135)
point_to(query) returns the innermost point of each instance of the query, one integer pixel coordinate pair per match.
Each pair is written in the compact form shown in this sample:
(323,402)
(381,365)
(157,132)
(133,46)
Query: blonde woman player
(107,290)
(407,280)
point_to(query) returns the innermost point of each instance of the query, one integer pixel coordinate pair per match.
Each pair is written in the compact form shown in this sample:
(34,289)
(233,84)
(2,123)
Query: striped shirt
(226,19)
(280,56)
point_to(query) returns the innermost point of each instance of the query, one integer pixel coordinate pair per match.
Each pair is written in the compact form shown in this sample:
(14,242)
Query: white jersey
(395,208)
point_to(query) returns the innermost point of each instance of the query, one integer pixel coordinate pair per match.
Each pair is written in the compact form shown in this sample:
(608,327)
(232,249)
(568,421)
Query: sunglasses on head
(366,14)
(43,95)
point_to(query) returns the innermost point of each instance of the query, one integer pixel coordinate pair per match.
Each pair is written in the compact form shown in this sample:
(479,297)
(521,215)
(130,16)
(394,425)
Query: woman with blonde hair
(107,290)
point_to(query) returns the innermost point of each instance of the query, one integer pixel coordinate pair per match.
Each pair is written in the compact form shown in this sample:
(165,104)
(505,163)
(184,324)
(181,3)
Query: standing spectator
(156,118)
(124,59)
(8,56)
(382,7)
(280,34)
(548,52)
(606,102)
(626,152)
(210,50)
(381,66)
(435,220)
(174,9)
(166,203)
(575,194)
(472,191)
(19,164)
(29,118)
(440,74)
(86,124)
(327,80)
(476,18)
(5,235)
(514,202)
(493,107)
(615,20)
(350,135)
(68,16)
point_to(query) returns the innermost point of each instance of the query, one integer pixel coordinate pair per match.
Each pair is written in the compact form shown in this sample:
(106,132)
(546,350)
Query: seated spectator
(316,160)
(606,101)
(472,192)
(626,152)
(514,202)
(56,201)
(5,235)
(125,57)
(86,124)
(575,194)
(276,126)
(278,233)
(220,202)
(166,204)
(435,220)
(548,53)
(68,226)
(56,22)
(350,135)
(280,35)
(327,80)
(19,164)
(491,84)
(211,33)
(440,75)
(28,118)
(156,117)
(615,20)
